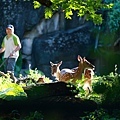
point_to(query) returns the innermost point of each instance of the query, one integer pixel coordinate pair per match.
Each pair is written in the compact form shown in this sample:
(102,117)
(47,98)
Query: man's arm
(2,49)
(16,49)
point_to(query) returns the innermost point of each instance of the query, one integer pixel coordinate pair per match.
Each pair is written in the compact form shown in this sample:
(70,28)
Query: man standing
(10,46)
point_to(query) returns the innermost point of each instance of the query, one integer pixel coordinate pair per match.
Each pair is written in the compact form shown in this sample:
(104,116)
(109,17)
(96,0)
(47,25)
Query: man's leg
(11,64)
(10,68)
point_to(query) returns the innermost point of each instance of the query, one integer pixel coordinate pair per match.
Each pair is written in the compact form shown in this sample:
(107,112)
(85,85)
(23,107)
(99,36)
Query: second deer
(88,76)
(70,74)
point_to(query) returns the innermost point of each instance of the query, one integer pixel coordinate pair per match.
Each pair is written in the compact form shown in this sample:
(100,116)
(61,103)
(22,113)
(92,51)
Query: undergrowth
(105,93)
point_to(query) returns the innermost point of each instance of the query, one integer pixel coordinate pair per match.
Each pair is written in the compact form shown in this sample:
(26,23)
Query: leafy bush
(13,91)
(102,114)
(108,86)
(113,20)
(100,85)
(105,89)
(9,90)
(34,76)
(34,116)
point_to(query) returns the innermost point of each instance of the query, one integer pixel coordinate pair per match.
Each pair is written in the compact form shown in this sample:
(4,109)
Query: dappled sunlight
(9,90)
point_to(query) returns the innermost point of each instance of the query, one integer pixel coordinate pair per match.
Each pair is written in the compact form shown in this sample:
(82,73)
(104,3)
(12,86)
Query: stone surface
(60,46)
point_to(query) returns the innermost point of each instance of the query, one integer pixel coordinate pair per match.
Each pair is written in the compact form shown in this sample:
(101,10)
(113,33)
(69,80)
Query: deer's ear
(59,63)
(79,58)
(51,63)
(84,59)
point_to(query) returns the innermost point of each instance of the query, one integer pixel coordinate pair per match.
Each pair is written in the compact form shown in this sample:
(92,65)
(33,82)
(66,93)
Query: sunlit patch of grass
(9,90)
(82,93)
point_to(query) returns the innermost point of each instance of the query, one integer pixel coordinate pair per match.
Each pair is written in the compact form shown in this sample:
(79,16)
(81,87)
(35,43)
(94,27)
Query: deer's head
(85,63)
(55,68)
(88,73)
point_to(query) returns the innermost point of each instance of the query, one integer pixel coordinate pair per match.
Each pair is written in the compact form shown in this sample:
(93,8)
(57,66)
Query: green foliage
(9,90)
(88,8)
(102,114)
(83,94)
(109,87)
(48,13)
(35,75)
(113,20)
(100,85)
(105,88)
(105,52)
(36,4)
(105,92)
(2,67)
(13,91)
(106,39)
(34,116)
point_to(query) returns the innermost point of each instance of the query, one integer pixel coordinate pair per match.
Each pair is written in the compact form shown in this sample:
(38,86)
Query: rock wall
(61,46)
(21,14)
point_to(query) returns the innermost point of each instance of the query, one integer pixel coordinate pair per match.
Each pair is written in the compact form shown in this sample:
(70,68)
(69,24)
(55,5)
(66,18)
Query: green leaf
(48,13)
(36,4)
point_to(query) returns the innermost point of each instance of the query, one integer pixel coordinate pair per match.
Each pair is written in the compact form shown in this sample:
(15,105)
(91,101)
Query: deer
(88,76)
(73,74)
